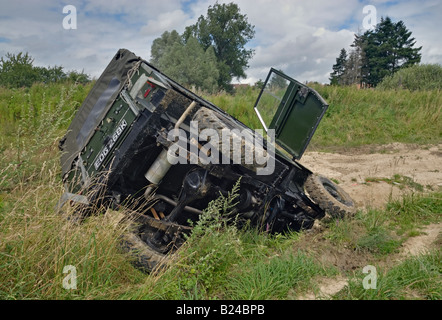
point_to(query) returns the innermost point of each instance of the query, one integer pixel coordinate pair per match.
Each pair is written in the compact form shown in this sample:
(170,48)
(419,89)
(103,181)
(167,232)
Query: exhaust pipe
(161,165)
(158,169)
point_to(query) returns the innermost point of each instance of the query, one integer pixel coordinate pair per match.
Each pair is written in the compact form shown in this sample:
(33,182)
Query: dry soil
(354,169)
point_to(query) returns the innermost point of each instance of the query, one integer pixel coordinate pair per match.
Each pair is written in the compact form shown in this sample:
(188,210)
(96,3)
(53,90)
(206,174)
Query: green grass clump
(379,241)
(398,180)
(276,277)
(412,211)
(416,278)
(417,77)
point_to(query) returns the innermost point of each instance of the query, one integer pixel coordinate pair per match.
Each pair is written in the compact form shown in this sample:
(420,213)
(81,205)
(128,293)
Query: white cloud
(424,20)
(166,21)
(302,38)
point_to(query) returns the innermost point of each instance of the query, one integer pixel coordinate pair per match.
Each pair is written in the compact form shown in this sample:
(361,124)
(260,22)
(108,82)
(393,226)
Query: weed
(340,231)
(274,278)
(379,241)
(414,210)
(415,278)
(399,181)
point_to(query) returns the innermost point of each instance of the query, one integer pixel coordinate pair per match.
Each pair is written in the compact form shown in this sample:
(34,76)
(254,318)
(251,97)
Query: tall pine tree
(388,48)
(339,68)
(376,54)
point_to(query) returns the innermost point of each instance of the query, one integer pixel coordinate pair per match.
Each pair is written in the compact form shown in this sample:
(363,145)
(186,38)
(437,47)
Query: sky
(301,38)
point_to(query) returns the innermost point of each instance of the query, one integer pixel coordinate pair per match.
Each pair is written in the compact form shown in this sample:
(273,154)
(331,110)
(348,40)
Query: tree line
(210,53)
(17,70)
(375,54)
(213,51)
(207,56)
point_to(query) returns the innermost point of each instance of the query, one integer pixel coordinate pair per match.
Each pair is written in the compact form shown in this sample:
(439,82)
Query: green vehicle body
(294,114)
(114,154)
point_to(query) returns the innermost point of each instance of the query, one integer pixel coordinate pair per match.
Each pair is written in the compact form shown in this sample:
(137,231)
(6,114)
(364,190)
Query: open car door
(290,108)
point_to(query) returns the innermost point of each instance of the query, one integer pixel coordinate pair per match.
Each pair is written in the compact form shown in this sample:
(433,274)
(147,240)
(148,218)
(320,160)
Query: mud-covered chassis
(115,154)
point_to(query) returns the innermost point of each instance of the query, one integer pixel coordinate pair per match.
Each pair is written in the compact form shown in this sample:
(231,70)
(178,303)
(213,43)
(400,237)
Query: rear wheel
(144,257)
(151,242)
(329,196)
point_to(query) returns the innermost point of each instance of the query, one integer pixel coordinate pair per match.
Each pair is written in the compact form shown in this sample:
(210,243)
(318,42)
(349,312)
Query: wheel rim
(334,192)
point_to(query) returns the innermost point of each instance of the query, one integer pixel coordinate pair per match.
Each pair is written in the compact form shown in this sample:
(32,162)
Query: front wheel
(329,196)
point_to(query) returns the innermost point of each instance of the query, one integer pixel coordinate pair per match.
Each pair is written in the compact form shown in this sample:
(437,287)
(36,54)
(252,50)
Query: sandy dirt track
(351,168)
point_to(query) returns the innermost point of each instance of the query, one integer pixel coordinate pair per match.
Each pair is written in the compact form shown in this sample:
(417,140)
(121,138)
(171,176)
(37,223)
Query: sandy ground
(351,168)
(414,246)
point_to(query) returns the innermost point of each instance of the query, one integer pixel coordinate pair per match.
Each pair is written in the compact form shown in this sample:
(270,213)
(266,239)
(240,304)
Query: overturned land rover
(140,135)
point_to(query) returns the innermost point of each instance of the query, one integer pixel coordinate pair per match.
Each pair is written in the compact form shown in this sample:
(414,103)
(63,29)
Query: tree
(50,74)
(162,45)
(416,77)
(227,31)
(354,69)
(187,63)
(17,70)
(377,53)
(388,48)
(259,84)
(339,68)
(77,77)
(277,82)
(356,64)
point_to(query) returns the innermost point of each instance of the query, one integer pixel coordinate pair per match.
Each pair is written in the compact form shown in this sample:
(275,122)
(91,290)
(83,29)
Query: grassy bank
(218,262)
(359,117)
(354,117)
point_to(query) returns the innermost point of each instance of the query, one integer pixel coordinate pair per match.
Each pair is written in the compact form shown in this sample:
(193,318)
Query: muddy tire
(329,196)
(143,257)
(208,119)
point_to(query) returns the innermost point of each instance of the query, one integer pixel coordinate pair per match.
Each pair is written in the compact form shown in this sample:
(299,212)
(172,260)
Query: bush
(417,77)
(17,71)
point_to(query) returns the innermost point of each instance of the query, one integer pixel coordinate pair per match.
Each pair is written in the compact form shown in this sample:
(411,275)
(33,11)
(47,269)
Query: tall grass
(37,244)
(417,77)
(36,241)
(218,261)
(39,101)
(33,122)
(358,117)
(415,278)
(239,105)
